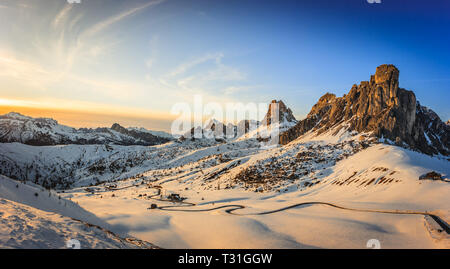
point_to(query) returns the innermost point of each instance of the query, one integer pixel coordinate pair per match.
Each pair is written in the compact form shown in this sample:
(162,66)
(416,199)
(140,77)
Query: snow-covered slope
(46,200)
(82,165)
(348,173)
(26,227)
(388,176)
(337,166)
(32,217)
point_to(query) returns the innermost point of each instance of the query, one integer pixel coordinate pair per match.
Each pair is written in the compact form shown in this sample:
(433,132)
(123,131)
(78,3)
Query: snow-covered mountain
(15,127)
(278,117)
(279,112)
(155,133)
(214,129)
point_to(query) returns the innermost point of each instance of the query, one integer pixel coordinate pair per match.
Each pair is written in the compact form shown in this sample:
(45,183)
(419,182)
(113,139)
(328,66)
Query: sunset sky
(103,61)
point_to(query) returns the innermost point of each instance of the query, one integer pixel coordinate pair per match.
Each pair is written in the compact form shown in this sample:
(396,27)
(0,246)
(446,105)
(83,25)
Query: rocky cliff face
(278,112)
(15,127)
(381,107)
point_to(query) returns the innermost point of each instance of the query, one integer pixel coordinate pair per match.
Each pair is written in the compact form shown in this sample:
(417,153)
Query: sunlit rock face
(278,112)
(381,107)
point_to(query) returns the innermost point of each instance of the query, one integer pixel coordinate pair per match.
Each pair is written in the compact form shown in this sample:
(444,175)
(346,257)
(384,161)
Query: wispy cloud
(22,72)
(114,19)
(182,68)
(69,58)
(62,15)
(74,21)
(204,79)
(71,44)
(205,75)
(153,43)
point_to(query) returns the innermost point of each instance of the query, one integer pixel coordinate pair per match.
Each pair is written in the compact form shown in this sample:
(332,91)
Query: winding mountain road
(232,208)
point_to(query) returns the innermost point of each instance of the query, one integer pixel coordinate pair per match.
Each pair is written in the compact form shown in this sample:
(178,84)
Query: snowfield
(338,189)
(31,217)
(377,184)
(26,227)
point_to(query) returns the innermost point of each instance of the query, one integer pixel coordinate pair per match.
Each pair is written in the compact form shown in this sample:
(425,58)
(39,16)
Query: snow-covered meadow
(223,209)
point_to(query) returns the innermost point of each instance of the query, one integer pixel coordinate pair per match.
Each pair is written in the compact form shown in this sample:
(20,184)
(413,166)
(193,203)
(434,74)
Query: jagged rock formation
(147,137)
(381,107)
(15,127)
(278,112)
(218,130)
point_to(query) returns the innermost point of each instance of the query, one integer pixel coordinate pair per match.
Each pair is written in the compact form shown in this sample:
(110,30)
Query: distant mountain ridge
(15,127)
(380,107)
(277,114)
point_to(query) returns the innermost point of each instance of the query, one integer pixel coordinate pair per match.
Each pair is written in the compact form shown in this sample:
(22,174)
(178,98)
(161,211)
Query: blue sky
(135,59)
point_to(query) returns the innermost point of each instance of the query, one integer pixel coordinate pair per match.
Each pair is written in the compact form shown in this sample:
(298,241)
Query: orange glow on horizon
(79,118)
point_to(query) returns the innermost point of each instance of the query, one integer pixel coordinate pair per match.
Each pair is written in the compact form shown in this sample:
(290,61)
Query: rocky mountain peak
(119,128)
(380,107)
(278,111)
(15,115)
(386,73)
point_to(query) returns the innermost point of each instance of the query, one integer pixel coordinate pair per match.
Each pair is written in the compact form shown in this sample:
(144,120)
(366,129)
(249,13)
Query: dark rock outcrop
(381,107)
(217,129)
(432,176)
